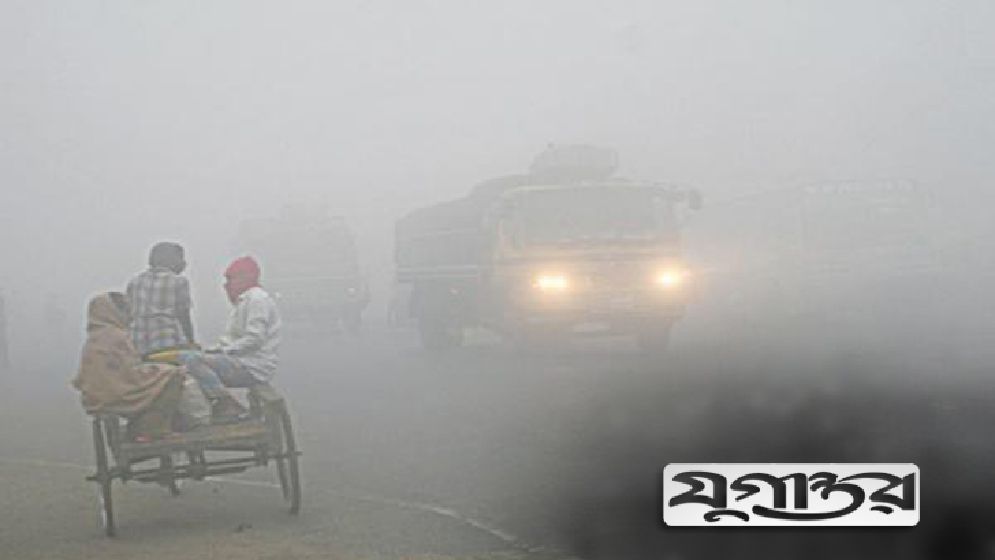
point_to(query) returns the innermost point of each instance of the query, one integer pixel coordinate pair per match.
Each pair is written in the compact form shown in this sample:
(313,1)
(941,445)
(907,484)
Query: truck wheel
(437,334)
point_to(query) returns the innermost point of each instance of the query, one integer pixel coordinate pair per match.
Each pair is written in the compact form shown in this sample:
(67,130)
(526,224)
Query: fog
(127,123)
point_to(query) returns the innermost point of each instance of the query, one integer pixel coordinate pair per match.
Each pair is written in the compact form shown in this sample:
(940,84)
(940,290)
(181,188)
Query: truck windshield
(566,215)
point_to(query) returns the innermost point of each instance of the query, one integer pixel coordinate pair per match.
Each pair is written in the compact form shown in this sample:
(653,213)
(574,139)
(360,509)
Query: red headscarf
(241,274)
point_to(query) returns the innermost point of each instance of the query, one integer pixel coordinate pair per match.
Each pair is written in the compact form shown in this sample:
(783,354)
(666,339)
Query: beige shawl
(112,377)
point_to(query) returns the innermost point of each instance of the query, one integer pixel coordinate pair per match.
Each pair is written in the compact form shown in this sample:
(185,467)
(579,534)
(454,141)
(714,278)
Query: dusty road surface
(489,452)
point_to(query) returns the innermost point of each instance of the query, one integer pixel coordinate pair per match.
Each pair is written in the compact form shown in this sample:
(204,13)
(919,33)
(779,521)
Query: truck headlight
(551,283)
(671,278)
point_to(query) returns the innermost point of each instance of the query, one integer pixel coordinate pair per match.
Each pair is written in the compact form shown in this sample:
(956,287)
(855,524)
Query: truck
(562,250)
(311,265)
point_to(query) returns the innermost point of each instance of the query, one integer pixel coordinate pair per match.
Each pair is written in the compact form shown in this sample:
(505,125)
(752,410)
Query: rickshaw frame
(266,435)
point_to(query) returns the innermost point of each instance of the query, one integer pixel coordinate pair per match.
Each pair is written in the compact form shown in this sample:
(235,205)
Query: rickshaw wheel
(106,509)
(287,465)
(281,463)
(104,479)
(290,444)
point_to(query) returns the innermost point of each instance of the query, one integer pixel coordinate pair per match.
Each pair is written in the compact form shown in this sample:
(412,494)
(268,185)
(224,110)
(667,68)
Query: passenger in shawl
(112,378)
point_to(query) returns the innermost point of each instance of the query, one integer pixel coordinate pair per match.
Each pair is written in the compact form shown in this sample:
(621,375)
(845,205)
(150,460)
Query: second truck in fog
(311,265)
(564,249)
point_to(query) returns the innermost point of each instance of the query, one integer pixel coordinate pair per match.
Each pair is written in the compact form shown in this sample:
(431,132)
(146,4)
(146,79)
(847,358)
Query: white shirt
(252,336)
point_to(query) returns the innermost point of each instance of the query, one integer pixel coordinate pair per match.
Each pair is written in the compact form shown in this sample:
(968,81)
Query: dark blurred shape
(169,255)
(830,415)
(312,266)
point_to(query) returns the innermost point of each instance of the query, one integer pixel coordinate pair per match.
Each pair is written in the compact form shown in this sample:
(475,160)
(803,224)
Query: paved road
(488,452)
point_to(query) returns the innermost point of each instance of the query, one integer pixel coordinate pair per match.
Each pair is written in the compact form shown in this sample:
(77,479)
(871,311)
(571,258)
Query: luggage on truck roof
(574,162)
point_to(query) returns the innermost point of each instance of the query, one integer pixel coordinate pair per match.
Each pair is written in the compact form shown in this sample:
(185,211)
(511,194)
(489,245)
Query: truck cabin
(588,216)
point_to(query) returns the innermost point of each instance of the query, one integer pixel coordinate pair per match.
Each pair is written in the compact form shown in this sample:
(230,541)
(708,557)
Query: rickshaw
(265,436)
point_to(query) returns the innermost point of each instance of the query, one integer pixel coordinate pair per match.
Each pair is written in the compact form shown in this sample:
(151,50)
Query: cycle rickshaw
(265,436)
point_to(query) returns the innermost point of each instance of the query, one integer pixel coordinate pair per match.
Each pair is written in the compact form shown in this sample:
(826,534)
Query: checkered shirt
(156,296)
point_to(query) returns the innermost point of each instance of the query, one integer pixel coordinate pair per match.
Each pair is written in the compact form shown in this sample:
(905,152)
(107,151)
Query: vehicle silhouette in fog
(565,249)
(312,266)
(856,258)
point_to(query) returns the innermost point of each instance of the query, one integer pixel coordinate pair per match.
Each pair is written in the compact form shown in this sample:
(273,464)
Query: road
(489,452)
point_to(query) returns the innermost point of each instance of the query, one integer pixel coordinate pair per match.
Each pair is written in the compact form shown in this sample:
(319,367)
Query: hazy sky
(126,122)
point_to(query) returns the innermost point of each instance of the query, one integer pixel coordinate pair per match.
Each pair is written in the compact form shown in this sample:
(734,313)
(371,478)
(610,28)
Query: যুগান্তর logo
(791,494)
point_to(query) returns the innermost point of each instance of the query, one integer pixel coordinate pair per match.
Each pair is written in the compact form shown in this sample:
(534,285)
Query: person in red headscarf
(241,275)
(247,353)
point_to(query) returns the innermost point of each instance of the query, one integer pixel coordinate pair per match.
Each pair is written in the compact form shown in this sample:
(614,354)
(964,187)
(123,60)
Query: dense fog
(129,123)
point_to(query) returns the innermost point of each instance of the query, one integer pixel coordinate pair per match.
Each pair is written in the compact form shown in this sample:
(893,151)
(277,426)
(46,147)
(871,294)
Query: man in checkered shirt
(160,303)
